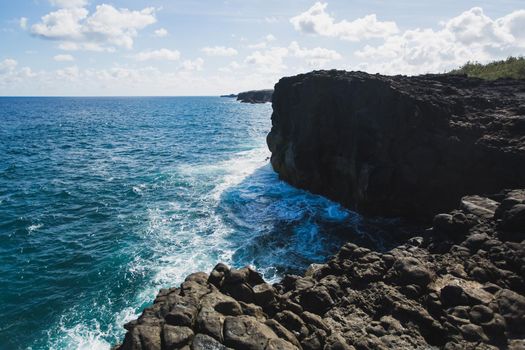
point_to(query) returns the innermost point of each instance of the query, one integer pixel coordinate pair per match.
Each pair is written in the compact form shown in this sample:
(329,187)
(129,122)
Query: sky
(212,47)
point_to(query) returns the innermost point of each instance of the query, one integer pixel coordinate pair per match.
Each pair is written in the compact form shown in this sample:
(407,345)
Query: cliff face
(398,146)
(255,96)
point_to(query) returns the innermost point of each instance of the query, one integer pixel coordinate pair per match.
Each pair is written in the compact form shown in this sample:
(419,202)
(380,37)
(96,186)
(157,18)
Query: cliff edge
(398,146)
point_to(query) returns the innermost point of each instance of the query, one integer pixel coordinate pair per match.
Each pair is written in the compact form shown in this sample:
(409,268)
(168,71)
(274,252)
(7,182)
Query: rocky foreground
(390,146)
(459,286)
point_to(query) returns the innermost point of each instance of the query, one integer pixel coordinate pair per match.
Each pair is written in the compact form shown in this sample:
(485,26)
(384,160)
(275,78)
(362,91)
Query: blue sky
(183,47)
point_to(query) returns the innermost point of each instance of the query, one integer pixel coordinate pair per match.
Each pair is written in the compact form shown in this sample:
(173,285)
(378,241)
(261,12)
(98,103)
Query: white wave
(199,229)
(34,227)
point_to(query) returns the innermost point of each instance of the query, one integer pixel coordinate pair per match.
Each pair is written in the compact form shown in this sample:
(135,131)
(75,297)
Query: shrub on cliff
(512,67)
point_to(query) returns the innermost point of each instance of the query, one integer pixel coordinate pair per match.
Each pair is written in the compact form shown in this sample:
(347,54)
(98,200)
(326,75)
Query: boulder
(410,270)
(245,332)
(175,337)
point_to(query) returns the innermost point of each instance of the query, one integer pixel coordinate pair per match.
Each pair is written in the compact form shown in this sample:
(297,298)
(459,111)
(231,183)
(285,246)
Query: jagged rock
(143,337)
(282,332)
(316,300)
(480,206)
(292,322)
(455,224)
(264,294)
(182,315)
(245,332)
(205,342)
(511,306)
(176,337)
(514,218)
(397,146)
(410,270)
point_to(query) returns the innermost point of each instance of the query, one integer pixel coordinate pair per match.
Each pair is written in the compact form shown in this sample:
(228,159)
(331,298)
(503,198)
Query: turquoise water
(105,200)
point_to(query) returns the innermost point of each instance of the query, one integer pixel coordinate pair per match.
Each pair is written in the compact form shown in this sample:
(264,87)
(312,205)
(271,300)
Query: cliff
(398,146)
(255,96)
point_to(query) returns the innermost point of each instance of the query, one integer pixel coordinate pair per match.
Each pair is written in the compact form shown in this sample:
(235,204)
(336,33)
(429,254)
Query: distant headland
(253,96)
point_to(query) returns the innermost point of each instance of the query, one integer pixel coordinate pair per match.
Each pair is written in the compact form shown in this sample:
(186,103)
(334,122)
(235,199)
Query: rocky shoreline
(459,286)
(391,146)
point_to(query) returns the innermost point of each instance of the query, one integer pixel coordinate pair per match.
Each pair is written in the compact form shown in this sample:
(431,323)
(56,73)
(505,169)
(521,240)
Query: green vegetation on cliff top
(512,67)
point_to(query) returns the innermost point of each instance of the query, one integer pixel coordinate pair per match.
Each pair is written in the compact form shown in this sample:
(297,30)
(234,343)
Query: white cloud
(316,57)
(68,3)
(10,74)
(231,67)
(270,38)
(23,22)
(7,65)
(71,46)
(69,73)
(471,36)
(219,51)
(161,33)
(64,58)
(195,65)
(270,61)
(107,27)
(316,21)
(161,54)
(261,45)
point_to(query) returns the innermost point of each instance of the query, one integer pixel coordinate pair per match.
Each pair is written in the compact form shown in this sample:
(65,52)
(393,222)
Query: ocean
(103,201)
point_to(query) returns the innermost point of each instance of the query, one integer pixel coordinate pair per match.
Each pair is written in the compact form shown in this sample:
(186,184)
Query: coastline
(457,285)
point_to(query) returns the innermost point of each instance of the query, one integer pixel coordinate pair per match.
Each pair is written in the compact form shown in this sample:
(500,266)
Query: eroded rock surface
(399,146)
(459,286)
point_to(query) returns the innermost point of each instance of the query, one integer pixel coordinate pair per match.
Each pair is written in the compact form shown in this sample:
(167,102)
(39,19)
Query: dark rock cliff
(398,146)
(255,96)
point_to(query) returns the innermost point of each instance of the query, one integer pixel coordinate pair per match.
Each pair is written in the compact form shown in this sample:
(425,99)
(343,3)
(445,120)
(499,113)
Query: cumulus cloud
(262,44)
(195,65)
(161,33)
(270,61)
(10,74)
(161,54)
(64,58)
(7,65)
(23,23)
(104,29)
(68,73)
(219,51)
(471,36)
(68,3)
(317,21)
(316,57)
(231,67)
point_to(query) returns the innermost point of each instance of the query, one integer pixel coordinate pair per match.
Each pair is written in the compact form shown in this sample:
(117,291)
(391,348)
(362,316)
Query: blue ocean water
(105,200)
